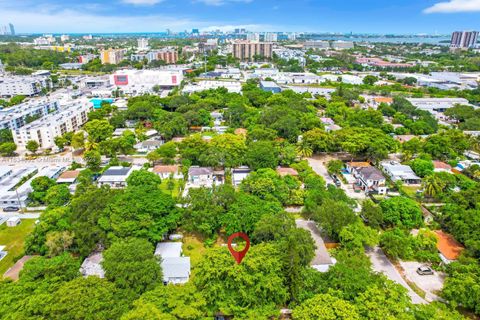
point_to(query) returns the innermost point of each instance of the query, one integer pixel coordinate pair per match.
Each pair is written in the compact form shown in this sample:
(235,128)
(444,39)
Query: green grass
(176,187)
(410,191)
(193,247)
(13,238)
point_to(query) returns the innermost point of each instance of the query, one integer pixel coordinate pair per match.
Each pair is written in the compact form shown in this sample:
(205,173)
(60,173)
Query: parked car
(11,209)
(424,271)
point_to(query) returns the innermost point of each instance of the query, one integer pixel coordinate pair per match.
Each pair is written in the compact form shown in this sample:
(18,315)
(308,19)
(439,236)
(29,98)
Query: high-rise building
(64,37)
(247,50)
(142,44)
(253,37)
(112,56)
(12,29)
(270,37)
(464,39)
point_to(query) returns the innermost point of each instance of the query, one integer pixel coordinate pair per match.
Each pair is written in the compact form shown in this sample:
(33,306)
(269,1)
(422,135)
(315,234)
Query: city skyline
(374,16)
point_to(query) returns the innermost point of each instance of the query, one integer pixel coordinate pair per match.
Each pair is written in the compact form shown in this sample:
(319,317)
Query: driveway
(381,264)
(318,165)
(431,284)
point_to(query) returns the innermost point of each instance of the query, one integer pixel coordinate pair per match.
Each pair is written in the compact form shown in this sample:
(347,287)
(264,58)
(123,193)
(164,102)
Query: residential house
(238,174)
(449,248)
(167,171)
(287,172)
(200,176)
(116,177)
(68,177)
(400,172)
(402,138)
(367,177)
(148,145)
(440,166)
(175,267)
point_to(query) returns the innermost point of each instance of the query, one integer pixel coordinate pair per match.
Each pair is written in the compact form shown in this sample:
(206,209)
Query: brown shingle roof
(448,246)
(287,172)
(441,165)
(165,169)
(69,174)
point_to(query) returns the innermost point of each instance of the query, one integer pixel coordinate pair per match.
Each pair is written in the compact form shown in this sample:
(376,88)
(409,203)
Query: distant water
(444,40)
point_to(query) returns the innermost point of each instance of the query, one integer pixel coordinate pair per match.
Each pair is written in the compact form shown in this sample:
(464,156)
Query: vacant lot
(13,239)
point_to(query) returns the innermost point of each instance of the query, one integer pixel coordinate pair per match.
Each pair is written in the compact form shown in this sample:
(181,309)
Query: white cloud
(142,2)
(454,6)
(249,27)
(221,2)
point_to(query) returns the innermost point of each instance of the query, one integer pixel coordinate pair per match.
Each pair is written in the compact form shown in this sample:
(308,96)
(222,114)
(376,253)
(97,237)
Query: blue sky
(368,16)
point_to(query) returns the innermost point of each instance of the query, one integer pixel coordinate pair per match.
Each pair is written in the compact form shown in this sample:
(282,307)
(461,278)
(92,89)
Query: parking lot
(431,284)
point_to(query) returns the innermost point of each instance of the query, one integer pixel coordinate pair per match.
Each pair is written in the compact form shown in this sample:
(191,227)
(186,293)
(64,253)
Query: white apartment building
(231,86)
(142,44)
(340,45)
(64,37)
(271,37)
(133,82)
(26,86)
(44,130)
(253,37)
(17,116)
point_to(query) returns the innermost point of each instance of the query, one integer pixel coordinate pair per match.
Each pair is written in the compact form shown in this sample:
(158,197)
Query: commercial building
(133,82)
(112,56)
(464,39)
(247,50)
(436,104)
(341,45)
(17,116)
(317,45)
(23,85)
(12,29)
(44,130)
(270,86)
(231,86)
(400,172)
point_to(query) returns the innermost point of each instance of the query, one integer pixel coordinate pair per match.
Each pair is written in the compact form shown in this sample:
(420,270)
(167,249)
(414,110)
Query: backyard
(13,239)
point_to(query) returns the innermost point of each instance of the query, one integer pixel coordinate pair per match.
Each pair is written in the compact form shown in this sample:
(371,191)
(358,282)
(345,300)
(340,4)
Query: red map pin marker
(238,255)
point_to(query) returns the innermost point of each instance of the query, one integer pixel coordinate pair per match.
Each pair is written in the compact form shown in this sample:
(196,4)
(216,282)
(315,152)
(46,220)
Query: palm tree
(304,150)
(432,185)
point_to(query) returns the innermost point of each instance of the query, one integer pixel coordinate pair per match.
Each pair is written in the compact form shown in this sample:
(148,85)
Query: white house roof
(176,267)
(169,249)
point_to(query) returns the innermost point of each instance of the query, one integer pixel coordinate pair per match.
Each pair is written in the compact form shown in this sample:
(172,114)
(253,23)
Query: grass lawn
(13,239)
(176,187)
(411,191)
(193,248)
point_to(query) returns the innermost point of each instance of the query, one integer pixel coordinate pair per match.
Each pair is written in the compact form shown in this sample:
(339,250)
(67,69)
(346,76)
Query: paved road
(381,264)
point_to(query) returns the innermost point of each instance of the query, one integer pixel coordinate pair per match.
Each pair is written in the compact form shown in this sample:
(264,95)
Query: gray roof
(169,249)
(200,171)
(178,267)
(116,171)
(370,173)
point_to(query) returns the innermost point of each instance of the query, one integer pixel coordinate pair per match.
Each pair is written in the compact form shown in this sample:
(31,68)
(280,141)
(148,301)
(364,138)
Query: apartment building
(170,56)
(112,56)
(464,39)
(270,37)
(253,37)
(316,45)
(26,86)
(134,81)
(142,44)
(17,116)
(44,130)
(247,50)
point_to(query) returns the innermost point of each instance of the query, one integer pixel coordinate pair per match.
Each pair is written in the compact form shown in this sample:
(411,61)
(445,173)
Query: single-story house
(175,267)
(449,248)
(200,176)
(148,145)
(440,166)
(167,171)
(402,138)
(287,172)
(116,177)
(270,86)
(367,177)
(92,266)
(68,177)
(400,172)
(240,173)
(327,121)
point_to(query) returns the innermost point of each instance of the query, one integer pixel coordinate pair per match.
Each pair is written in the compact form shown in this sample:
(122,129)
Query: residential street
(380,263)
